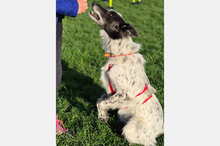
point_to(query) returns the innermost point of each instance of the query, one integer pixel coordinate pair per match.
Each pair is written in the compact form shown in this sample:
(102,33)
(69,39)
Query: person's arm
(67,7)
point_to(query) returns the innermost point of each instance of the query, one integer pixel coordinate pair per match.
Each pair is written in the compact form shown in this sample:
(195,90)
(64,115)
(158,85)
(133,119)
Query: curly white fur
(143,121)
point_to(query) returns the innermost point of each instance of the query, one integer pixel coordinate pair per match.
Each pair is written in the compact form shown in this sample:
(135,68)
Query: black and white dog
(125,81)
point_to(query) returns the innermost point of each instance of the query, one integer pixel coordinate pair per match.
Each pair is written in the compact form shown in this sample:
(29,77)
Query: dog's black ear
(129,30)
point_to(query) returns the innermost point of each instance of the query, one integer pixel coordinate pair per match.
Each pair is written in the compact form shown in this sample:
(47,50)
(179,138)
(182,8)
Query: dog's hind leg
(104,104)
(135,132)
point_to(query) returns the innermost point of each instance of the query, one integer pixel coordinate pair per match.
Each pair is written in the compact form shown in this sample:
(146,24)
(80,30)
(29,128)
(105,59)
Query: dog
(127,87)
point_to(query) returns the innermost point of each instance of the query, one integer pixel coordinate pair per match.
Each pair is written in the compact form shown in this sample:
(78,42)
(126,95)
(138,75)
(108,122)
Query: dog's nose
(94,3)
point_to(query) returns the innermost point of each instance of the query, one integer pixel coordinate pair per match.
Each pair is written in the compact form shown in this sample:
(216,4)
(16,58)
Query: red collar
(112,55)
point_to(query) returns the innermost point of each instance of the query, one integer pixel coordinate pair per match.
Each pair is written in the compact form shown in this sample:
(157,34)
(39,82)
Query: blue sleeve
(67,7)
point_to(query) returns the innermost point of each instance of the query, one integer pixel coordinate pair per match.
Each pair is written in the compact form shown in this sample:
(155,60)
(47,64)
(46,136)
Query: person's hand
(82,6)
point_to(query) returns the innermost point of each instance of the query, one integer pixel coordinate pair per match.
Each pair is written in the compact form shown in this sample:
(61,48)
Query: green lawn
(82,59)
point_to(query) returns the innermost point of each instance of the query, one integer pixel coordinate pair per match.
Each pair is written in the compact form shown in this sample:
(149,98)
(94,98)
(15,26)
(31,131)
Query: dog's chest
(109,74)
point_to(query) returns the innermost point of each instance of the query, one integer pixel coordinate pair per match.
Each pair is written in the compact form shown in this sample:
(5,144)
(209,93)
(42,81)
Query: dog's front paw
(103,116)
(103,119)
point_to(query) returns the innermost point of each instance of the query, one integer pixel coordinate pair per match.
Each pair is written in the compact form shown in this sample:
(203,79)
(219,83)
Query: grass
(82,59)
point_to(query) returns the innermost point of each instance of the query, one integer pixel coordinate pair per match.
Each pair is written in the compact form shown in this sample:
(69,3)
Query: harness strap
(145,88)
(110,85)
(142,103)
(113,92)
(147,99)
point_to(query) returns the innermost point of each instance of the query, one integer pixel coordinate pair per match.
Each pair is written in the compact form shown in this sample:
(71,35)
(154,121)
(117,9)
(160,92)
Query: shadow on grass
(79,89)
(82,93)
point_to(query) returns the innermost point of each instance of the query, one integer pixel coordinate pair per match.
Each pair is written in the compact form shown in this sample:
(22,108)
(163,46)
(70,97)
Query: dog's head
(112,22)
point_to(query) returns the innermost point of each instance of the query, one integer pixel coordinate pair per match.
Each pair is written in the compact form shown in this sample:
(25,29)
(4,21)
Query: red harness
(113,92)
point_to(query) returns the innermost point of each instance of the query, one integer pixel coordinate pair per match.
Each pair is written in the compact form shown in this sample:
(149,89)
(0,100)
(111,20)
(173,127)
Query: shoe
(60,128)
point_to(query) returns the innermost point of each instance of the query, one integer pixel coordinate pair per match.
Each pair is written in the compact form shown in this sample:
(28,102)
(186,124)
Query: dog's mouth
(97,14)
(94,15)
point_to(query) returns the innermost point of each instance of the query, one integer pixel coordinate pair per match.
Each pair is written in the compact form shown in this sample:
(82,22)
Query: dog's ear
(129,30)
